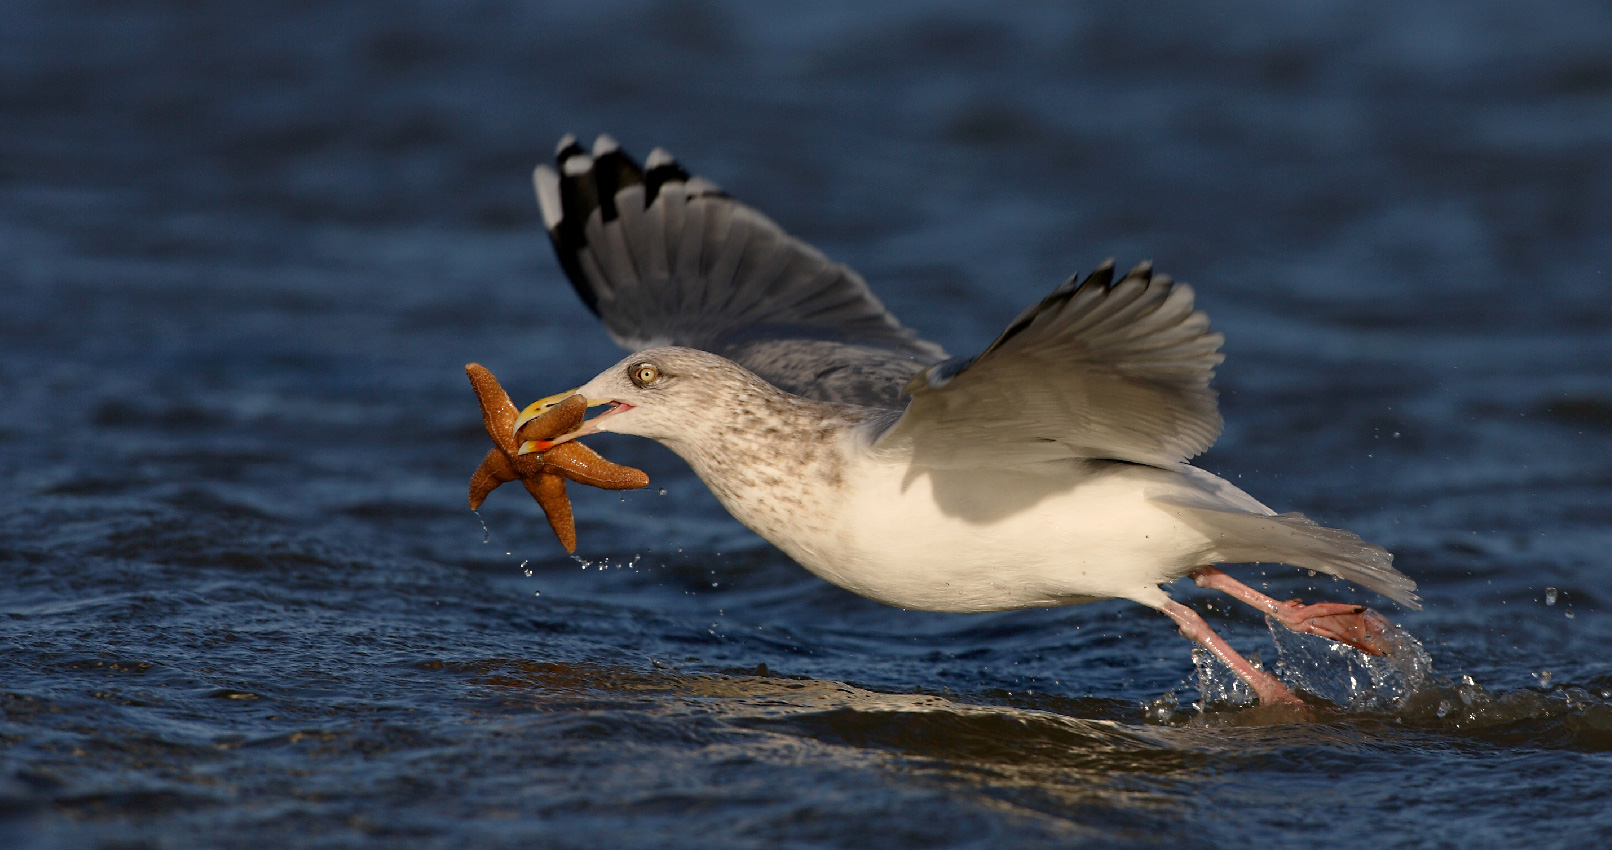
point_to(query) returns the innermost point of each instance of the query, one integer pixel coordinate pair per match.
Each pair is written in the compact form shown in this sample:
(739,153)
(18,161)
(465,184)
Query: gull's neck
(776,461)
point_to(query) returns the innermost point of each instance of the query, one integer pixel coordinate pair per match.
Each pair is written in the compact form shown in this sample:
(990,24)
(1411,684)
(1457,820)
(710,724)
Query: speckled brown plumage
(770,457)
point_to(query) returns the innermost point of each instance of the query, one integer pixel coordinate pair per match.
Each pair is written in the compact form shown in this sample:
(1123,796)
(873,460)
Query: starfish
(542,472)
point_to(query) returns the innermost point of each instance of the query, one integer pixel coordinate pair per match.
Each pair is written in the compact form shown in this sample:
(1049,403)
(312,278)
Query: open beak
(542,406)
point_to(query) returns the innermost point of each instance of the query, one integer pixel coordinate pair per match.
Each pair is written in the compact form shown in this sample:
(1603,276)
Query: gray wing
(1097,369)
(668,259)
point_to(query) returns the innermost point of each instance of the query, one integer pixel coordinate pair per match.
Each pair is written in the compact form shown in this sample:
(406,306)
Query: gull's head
(665,394)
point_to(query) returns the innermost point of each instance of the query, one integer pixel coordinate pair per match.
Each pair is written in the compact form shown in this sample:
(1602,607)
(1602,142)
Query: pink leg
(1270,689)
(1355,625)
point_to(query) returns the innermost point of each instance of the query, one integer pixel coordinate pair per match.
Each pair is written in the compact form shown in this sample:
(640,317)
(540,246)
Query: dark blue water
(245,251)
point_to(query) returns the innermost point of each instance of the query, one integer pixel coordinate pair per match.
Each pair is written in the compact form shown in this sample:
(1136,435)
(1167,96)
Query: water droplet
(1544,678)
(1550,596)
(1443,704)
(1569,614)
(485,534)
(662,492)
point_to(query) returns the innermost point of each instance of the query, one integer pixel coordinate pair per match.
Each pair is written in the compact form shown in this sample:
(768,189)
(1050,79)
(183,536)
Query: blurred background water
(245,250)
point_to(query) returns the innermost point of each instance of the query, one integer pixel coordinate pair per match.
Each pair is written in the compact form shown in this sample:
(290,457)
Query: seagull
(1050,469)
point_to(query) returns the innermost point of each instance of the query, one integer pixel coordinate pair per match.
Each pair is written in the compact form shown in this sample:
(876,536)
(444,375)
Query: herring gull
(1050,469)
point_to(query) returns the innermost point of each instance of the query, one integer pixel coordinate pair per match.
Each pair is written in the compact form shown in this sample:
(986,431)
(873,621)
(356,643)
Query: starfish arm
(497,411)
(495,469)
(549,491)
(585,466)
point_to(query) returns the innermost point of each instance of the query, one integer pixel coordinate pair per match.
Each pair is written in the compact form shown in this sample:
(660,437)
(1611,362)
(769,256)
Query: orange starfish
(542,473)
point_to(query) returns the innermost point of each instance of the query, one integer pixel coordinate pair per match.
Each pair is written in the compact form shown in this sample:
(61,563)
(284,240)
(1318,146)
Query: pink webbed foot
(1355,625)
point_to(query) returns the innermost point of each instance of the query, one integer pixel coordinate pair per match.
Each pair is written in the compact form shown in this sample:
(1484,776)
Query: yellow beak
(542,406)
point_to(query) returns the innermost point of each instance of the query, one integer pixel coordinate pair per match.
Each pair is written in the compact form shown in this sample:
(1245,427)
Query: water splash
(1337,673)
(1162,710)
(1349,678)
(1218,687)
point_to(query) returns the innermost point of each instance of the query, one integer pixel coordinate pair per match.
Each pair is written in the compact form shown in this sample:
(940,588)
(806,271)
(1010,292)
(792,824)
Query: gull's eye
(644,374)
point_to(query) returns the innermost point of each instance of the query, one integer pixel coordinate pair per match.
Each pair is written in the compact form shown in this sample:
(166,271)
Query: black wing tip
(659,169)
(1100,277)
(1103,275)
(586,183)
(567,148)
(590,180)
(611,171)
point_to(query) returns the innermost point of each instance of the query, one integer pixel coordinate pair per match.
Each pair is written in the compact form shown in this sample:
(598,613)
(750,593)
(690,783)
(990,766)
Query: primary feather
(667,259)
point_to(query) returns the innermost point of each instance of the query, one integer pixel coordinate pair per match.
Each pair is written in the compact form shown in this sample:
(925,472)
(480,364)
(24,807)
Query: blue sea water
(246,249)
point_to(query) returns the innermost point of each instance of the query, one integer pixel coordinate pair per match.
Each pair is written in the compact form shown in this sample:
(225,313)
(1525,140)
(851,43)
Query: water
(245,252)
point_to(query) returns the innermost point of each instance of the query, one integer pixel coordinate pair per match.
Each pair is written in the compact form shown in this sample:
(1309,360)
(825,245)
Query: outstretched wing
(1097,369)
(664,258)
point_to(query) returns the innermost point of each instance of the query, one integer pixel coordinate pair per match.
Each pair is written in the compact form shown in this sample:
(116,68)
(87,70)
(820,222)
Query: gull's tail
(1294,539)
(1241,530)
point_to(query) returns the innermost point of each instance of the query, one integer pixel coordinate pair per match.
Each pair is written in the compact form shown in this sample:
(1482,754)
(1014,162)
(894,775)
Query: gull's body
(1049,470)
(1048,533)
